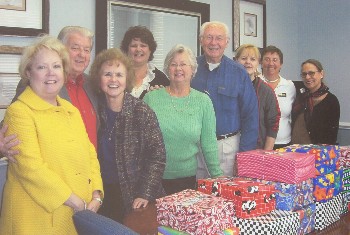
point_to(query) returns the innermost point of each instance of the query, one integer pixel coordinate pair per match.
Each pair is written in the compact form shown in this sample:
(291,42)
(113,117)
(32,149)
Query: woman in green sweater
(187,121)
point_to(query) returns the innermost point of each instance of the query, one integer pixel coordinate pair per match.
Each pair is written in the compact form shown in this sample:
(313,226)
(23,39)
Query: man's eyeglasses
(310,73)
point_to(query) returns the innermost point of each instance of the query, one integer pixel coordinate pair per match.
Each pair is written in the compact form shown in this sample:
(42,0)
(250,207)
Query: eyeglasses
(310,73)
(182,65)
(210,38)
(268,60)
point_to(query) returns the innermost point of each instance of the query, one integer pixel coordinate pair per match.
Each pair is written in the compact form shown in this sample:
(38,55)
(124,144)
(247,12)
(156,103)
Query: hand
(139,203)
(156,87)
(6,143)
(93,205)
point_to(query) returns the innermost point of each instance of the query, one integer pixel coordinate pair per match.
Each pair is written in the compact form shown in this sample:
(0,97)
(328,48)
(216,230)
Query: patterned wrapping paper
(251,198)
(307,219)
(212,186)
(327,157)
(344,156)
(163,230)
(292,197)
(346,190)
(287,167)
(328,212)
(275,223)
(195,212)
(327,186)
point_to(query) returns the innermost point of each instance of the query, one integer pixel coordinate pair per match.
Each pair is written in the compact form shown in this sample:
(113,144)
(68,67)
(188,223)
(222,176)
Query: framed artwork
(18,5)
(9,77)
(8,85)
(249,23)
(24,18)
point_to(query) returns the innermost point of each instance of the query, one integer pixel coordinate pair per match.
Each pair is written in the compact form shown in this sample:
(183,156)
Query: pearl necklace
(172,102)
(269,81)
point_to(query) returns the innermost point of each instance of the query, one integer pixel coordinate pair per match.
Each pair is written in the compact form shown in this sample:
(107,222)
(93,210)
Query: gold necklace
(172,102)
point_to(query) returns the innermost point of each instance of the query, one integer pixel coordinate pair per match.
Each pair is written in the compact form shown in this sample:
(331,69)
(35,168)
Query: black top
(160,79)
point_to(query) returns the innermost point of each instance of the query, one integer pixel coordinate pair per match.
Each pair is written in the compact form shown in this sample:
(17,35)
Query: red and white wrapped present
(287,167)
(195,212)
(345,156)
(250,198)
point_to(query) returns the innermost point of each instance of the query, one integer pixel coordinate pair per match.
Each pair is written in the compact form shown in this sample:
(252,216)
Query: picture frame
(8,85)
(31,22)
(249,15)
(18,5)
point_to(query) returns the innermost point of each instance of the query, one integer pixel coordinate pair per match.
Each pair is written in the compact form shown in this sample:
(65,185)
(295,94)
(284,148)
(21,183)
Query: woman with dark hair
(139,44)
(316,111)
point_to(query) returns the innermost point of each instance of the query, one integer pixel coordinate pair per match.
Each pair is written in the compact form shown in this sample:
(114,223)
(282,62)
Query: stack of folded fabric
(328,183)
(194,212)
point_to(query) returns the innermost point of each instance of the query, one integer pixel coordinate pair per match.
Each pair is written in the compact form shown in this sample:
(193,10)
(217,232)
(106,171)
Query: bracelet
(85,206)
(98,199)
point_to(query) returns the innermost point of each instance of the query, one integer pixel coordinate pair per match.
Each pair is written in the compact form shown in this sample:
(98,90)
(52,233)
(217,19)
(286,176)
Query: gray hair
(179,49)
(66,31)
(217,24)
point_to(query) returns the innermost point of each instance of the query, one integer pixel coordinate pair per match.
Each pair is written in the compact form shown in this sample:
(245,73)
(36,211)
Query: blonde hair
(251,47)
(48,42)
(112,55)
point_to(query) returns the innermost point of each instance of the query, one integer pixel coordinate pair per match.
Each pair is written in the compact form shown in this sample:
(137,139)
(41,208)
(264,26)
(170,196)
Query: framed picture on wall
(24,18)
(249,23)
(18,5)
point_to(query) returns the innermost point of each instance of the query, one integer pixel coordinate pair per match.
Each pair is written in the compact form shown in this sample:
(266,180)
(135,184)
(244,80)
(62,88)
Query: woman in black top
(316,111)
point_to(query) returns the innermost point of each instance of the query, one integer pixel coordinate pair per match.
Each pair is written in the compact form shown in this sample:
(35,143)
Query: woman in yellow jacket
(57,171)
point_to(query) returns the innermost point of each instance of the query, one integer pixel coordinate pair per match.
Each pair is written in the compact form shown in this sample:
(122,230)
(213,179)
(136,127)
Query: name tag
(282,95)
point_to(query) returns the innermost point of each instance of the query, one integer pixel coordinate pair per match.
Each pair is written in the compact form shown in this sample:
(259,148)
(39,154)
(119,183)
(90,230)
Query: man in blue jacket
(228,85)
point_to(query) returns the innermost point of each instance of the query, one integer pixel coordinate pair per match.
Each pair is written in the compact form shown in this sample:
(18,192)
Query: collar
(78,81)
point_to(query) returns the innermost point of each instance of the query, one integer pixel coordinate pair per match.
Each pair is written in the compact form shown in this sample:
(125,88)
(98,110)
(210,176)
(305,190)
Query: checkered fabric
(328,212)
(346,189)
(276,223)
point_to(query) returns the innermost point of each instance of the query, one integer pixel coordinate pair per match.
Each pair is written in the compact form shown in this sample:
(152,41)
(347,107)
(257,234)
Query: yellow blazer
(56,158)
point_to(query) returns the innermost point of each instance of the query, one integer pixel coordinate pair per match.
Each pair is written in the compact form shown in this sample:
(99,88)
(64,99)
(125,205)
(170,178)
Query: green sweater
(186,124)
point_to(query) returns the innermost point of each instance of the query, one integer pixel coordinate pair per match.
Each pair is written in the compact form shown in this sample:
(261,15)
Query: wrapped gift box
(328,212)
(346,190)
(326,156)
(212,186)
(195,212)
(292,196)
(307,219)
(287,167)
(275,223)
(344,156)
(250,198)
(328,186)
